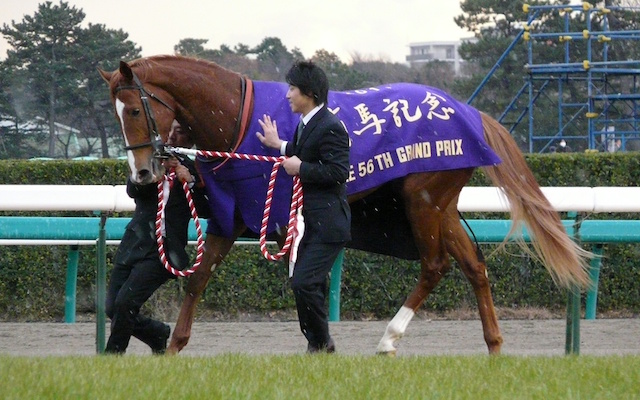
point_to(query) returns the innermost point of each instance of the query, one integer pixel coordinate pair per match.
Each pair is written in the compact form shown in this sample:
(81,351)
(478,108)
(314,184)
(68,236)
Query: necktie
(299,132)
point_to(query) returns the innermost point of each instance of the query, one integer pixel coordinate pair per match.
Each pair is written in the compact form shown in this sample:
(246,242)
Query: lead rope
(296,207)
(160,239)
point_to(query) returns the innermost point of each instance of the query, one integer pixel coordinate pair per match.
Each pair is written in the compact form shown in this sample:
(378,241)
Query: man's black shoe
(329,348)
(159,345)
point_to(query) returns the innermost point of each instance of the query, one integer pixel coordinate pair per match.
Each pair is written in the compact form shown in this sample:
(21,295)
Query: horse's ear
(105,75)
(126,71)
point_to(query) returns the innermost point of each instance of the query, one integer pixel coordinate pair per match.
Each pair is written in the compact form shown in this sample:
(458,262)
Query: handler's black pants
(129,287)
(309,285)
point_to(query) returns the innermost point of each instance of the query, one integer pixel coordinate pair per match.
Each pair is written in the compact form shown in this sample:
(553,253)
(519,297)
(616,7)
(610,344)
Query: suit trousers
(129,287)
(309,285)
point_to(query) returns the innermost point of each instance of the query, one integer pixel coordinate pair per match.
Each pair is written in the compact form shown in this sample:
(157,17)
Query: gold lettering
(388,161)
(427,151)
(417,150)
(402,156)
(409,150)
(458,151)
(452,147)
(352,176)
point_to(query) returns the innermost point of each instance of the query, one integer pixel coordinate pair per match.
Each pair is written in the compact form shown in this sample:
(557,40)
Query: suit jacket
(139,240)
(324,150)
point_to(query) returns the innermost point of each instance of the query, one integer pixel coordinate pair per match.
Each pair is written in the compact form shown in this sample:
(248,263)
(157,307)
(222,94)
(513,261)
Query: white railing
(481,199)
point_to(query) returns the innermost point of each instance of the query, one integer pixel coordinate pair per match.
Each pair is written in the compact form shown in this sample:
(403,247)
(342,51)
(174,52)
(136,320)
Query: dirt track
(423,337)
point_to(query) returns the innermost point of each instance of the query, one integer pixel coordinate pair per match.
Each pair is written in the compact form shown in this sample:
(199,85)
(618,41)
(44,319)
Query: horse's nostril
(143,173)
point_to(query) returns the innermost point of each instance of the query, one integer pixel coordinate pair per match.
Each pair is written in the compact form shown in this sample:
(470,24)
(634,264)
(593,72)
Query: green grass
(235,376)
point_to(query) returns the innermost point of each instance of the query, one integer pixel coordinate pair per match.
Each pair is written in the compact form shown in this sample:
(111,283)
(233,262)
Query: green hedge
(32,279)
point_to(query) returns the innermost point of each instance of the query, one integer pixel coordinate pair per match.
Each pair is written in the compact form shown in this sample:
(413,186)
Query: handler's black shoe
(108,351)
(159,344)
(329,348)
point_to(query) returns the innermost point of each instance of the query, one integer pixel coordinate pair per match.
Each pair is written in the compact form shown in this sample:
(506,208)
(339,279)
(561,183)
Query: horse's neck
(209,102)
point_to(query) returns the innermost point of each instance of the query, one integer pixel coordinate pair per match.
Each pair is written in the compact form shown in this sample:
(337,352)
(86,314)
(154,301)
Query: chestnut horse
(215,104)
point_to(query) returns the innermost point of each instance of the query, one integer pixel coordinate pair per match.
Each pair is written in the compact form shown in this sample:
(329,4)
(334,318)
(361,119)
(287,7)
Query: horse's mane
(146,65)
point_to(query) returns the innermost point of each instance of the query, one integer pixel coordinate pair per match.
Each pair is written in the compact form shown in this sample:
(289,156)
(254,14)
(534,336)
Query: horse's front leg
(216,248)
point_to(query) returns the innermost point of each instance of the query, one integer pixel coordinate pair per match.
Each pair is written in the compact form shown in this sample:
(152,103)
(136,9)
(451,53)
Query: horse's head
(145,112)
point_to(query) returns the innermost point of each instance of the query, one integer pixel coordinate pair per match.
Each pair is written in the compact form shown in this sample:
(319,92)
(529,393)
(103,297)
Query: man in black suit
(319,154)
(137,270)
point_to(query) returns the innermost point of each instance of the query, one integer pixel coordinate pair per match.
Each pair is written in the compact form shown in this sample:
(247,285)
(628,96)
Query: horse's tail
(564,259)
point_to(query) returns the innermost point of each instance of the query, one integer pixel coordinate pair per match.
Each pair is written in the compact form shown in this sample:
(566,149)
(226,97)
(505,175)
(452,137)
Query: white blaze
(130,159)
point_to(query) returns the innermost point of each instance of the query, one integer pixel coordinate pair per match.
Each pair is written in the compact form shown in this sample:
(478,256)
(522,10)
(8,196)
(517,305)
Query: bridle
(155,139)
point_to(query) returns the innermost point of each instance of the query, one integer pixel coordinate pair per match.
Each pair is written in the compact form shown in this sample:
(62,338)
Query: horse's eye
(135,112)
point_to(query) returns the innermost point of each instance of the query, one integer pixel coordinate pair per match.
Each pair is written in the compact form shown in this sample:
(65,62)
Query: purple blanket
(394,129)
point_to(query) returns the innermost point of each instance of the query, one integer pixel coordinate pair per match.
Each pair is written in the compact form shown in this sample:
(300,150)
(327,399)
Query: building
(424,52)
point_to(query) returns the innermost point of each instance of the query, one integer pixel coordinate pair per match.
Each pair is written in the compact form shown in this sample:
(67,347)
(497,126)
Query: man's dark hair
(310,79)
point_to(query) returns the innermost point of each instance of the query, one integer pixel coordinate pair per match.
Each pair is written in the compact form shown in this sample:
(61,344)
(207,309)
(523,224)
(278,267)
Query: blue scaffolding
(596,97)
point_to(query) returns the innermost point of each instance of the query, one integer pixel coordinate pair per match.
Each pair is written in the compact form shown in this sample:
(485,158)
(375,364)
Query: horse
(412,213)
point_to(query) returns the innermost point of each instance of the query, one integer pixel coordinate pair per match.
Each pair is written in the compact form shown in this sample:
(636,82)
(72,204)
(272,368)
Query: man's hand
(292,165)
(270,137)
(182,172)
(171,162)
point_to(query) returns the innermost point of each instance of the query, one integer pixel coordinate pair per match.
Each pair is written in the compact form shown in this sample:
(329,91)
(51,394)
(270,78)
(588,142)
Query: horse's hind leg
(426,196)
(216,248)
(472,263)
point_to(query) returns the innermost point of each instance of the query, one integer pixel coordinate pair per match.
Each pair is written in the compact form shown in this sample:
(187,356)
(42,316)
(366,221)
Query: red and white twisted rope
(296,198)
(160,239)
(296,206)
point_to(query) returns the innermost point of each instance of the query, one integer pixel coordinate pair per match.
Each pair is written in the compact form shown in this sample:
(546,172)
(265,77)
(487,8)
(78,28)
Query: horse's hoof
(171,351)
(390,353)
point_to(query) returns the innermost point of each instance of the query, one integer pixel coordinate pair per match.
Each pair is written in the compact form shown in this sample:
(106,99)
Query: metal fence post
(594,274)
(334,288)
(101,285)
(71,285)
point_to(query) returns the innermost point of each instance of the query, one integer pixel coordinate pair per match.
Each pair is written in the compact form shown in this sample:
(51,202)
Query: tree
(42,45)
(436,73)
(377,72)
(190,47)
(496,24)
(54,60)
(340,76)
(274,58)
(241,49)
(14,99)
(224,56)
(556,40)
(104,48)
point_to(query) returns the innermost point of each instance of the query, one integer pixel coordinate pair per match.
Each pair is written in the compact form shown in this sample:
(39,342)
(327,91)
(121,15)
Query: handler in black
(319,154)
(137,270)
